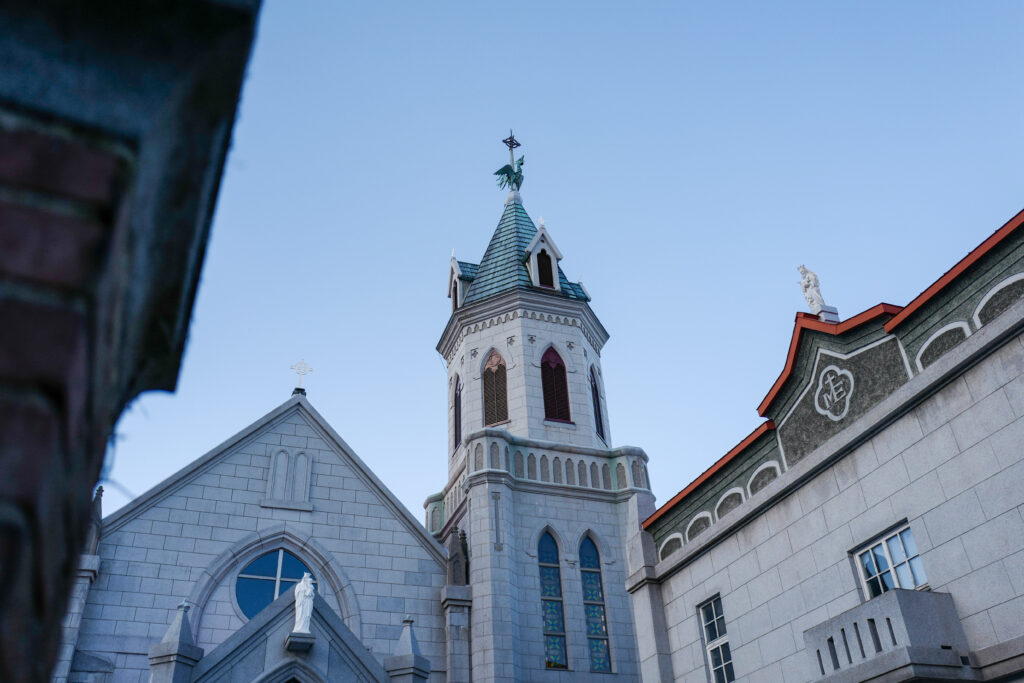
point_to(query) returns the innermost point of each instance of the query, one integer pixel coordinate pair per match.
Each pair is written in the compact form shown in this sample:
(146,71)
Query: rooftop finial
(301,369)
(511,174)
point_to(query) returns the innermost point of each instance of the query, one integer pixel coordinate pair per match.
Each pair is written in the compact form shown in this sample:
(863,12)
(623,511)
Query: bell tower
(533,479)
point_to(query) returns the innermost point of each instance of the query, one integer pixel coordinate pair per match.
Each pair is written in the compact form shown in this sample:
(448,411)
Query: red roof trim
(955,272)
(764,427)
(809,321)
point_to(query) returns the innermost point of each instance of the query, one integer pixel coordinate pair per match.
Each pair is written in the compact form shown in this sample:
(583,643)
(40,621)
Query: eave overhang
(953,273)
(513,301)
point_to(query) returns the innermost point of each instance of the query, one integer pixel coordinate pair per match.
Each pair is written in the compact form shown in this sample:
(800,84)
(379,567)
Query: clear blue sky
(686,157)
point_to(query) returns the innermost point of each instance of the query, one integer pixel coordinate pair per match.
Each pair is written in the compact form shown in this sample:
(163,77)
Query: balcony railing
(899,635)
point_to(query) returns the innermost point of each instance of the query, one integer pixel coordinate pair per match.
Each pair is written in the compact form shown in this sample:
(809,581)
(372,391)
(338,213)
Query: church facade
(871,528)
(518,572)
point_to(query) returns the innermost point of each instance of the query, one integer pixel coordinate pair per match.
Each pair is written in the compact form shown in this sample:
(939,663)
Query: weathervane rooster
(511,174)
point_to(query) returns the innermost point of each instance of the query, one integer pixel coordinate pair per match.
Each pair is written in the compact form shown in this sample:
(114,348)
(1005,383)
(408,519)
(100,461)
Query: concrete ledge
(906,664)
(286,505)
(408,667)
(299,642)
(456,596)
(1000,660)
(162,653)
(89,567)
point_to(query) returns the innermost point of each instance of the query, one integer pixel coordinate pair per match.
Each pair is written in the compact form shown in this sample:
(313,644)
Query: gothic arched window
(264,579)
(595,396)
(551,604)
(556,388)
(593,605)
(545,273)
(495,394)
(458,412)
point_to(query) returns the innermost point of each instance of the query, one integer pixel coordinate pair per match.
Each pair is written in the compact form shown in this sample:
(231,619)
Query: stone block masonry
(374,565)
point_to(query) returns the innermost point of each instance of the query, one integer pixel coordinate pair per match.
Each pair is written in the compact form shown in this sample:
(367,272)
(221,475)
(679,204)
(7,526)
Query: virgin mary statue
(304,592)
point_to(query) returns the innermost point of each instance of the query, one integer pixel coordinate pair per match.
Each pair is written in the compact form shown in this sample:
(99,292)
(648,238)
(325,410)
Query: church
(517,572)
(869,529)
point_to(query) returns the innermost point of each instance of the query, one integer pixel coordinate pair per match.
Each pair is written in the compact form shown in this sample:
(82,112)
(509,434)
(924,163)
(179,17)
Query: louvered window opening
(555,385)
(595,396)
(458,412)
(545,273)
(555,656)
(495,393)
(593,606)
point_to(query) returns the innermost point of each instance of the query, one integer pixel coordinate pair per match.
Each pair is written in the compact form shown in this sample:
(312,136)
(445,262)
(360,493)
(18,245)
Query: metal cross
(511,143)
(302,368)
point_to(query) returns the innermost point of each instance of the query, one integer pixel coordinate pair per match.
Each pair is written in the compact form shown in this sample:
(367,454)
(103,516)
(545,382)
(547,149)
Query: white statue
(304,592)
(812,290)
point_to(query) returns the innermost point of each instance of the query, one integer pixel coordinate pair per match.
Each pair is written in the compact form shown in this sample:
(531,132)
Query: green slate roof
(503,267)
(468,270)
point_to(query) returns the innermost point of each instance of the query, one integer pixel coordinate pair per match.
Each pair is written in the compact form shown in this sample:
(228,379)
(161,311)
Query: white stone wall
(525,393)
(177,545)
(569,518)
(953,467)
(503,533)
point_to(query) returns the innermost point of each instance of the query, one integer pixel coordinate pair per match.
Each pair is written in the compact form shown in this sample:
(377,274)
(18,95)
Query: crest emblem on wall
(835,388)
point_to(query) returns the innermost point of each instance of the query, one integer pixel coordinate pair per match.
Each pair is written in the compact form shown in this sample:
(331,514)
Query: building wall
(510,333)
(505,520)
(952,467)
(192,541)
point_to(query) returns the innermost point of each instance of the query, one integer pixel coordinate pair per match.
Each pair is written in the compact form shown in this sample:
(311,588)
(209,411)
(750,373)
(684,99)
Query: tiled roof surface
(503,266)
(468,270)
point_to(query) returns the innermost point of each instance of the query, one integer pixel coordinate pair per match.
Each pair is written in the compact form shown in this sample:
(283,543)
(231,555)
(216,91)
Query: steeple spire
(511,143)
(511,174)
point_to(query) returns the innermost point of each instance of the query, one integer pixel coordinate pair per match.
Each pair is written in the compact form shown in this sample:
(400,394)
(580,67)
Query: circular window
(265,578)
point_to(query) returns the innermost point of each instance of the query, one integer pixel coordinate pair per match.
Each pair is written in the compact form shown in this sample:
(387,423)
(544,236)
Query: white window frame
(883,541)
(722,639)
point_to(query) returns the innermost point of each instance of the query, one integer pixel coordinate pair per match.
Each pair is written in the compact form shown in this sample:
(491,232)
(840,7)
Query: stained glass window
(551,604)
(555,386)
(595,397)
(458,412)
(264,579)
(593,607)
(495,393)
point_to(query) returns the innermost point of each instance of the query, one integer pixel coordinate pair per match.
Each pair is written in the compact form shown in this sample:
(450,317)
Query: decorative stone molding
(288,480)
(301,544)
(990,294)
(527,305)
(920,360)
(729,501)
(759,477)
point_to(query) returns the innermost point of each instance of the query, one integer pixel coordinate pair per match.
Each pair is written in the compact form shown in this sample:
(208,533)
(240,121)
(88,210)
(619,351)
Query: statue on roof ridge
(811,289)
